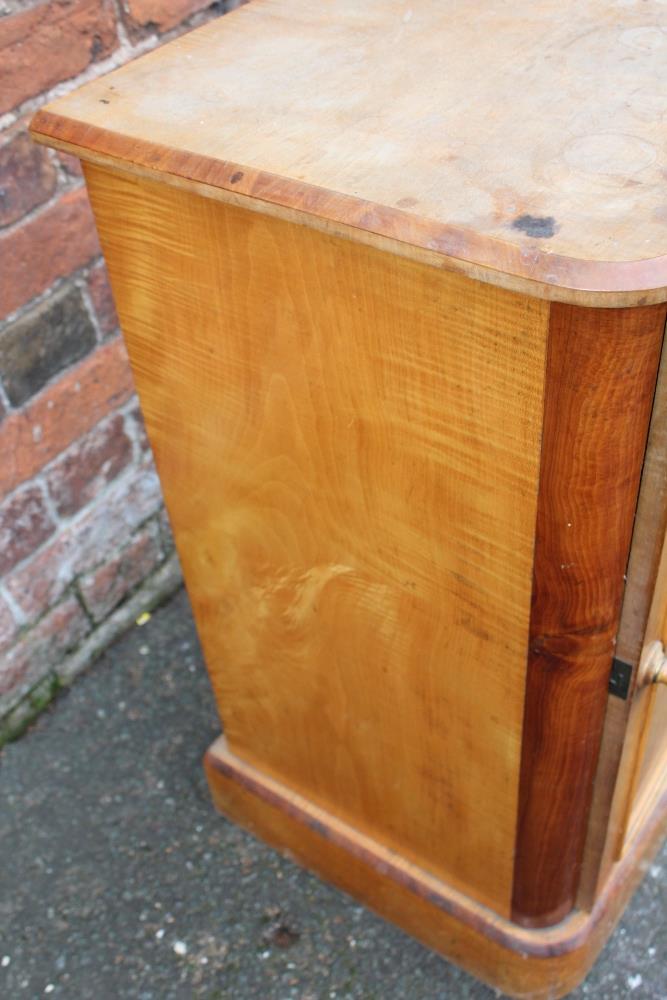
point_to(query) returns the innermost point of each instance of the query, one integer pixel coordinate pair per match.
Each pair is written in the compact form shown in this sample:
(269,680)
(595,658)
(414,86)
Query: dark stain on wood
(535,225)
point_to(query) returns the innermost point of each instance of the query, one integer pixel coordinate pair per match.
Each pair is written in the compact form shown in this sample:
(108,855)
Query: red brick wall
(84,542)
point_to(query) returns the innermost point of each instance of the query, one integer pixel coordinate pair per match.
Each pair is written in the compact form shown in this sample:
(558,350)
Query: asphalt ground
(118,880)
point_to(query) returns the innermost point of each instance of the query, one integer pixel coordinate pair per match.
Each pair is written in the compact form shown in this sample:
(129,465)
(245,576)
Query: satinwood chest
(392,277)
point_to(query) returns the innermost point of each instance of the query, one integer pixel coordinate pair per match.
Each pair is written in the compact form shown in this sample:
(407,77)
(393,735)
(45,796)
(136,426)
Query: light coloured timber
(349,447)
(646,743)
(356,251)
(541,964)
(510,139)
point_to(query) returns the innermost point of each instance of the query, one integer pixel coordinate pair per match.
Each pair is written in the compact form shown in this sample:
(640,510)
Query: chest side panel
(349,447)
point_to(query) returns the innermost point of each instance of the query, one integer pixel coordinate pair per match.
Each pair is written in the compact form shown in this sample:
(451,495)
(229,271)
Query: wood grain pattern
(652,773)
(544,168)
(649,531)
(604,823)
(537,964)
(610,793)
(643,777)
(601,373)
(349,447)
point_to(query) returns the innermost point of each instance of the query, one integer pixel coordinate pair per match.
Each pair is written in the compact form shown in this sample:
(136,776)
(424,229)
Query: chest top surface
(521,141)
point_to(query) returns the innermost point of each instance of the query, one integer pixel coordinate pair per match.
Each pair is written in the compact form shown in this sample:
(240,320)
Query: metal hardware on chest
(619,678)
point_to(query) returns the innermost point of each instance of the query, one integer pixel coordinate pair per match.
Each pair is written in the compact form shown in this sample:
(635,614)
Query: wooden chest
(392,278)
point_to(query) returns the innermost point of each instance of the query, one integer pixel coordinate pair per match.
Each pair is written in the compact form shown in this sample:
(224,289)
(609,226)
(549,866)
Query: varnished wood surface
(649,531)
(651,780)
(601,373)
(582,283)
(349,448)
(511,138)
(608,812)
(604,821)
(644,772)
(532,964)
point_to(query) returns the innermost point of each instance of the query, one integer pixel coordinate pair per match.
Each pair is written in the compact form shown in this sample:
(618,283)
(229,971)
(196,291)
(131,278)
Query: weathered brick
(27,176)
(51,245)
(89,465)
(43,342)
(37,651)
(24,524)
(89,540)
(102,298)
(53,40)
(105,587)
(8,625)
(62,413)
(161,15)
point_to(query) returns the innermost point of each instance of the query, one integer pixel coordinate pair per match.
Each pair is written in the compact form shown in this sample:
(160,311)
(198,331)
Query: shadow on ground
(118,880)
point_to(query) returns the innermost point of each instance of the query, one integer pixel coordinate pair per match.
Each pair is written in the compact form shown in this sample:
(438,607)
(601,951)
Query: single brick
(89,465)
(8,626)
(50,42)
(27,177)
(161,15)
(92,538)
(42,343)
(102,298)
(51,245)
(39,650)
(62,413)
(24,524)
(107,585)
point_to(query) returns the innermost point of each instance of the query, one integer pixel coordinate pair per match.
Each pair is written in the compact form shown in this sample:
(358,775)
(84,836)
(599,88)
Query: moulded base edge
(539,963)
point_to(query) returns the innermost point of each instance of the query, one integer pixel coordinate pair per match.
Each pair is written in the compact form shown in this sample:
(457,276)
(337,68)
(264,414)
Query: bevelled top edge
(532,270)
